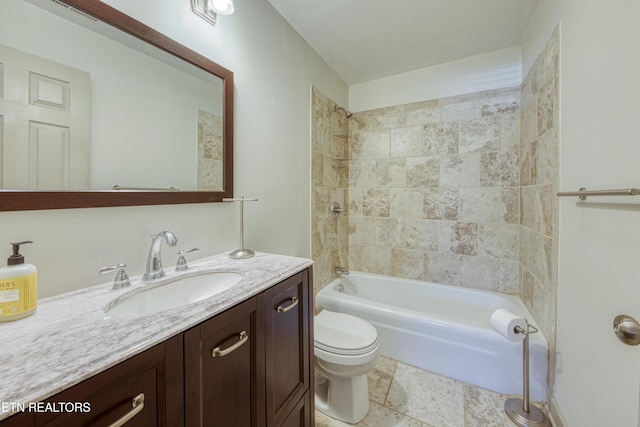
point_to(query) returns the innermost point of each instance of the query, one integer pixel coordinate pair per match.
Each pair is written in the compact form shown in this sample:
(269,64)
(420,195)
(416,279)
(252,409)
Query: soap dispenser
(18,287)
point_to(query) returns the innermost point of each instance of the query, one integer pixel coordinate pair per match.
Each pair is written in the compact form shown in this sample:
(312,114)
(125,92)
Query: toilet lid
(344,334)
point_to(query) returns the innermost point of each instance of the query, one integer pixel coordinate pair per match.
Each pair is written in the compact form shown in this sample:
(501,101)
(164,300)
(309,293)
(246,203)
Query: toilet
(346,348)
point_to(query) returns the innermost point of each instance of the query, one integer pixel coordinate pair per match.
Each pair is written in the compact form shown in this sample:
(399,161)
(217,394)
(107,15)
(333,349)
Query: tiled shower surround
(458,190)
(433,190)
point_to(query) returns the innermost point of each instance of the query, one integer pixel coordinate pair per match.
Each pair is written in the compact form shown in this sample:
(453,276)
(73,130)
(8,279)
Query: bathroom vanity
(241,358)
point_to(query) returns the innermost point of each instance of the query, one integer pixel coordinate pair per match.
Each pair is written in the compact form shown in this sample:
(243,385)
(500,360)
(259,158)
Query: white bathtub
(443,329)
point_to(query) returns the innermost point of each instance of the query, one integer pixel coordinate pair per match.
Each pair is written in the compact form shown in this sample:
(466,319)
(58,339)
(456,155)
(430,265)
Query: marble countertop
(70,337)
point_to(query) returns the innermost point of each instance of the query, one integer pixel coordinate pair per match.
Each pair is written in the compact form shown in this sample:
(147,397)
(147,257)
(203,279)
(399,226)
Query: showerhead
(347,113)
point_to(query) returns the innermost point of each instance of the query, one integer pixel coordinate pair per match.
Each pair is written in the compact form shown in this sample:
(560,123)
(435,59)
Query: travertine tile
(507,103)
(511,204)
(498,240)
(376,202)
(406,263)
(499,169)
(376,259)
(402,395)
(391,173)
(379,379)
(460,170)
(362,231)
(428,397)
(546,108)
(362,173)
(407,142)
(441,203)
(378,416)
(422,234)
(423,113)
(480,135)
(441,138)
(407,203)
(485,408)
(458,238)
(480,272)
(510,277)
(442,268)
(390,232)
(481,205)
(375,145)
(423,172)
(510,132)
(460,111)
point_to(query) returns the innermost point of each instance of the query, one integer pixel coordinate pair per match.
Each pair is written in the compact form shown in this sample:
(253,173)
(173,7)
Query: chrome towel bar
(582,193)
(118,187)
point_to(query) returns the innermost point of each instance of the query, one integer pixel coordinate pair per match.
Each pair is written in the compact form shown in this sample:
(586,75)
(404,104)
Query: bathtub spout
(341,270)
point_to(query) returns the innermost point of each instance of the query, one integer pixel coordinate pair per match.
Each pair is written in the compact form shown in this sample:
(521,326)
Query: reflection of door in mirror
(145,104)
(45,123)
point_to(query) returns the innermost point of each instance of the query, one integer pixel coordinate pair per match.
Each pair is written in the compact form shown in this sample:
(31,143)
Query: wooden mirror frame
(19,200)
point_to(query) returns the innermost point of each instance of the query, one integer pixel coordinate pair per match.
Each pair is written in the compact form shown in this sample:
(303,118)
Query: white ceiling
(364,40)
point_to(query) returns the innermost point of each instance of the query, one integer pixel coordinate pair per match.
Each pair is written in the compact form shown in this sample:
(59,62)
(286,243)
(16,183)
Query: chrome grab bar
(137,405)
(294,301)
(242,337)
(582,193)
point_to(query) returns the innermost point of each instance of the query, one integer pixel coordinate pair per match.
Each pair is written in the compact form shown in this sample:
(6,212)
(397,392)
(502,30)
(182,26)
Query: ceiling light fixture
(221,7)
(210,9)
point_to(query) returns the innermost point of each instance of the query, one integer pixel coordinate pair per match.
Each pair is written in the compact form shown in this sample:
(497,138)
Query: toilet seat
(343,334)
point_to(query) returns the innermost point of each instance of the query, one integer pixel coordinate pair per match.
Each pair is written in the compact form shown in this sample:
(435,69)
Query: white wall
(274,69)
(493,70)
(597,377)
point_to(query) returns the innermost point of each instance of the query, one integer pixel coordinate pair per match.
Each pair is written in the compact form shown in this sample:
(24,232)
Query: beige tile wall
(329,242)
(539,172)
(433,190)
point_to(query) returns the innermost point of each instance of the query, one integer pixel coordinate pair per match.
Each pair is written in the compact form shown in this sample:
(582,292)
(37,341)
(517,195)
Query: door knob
(627,329)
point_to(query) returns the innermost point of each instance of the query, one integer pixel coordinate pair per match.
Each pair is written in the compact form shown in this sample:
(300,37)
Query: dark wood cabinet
(146,390)
(302,414)
(249,366)
(224,369)
(288,346)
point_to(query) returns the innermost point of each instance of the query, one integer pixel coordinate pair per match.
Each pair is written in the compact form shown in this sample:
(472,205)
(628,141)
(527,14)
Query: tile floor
(405,396)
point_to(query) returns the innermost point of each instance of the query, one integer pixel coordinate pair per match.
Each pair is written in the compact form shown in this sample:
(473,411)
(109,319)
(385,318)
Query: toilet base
(343,398)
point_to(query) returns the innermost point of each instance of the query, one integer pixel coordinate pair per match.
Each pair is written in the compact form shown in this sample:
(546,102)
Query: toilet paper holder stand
(520,411)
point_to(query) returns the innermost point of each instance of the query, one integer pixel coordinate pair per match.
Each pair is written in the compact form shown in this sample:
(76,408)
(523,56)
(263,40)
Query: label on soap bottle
(18,295)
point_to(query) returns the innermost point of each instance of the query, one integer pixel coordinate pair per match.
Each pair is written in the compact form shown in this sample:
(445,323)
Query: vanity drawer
(138,389)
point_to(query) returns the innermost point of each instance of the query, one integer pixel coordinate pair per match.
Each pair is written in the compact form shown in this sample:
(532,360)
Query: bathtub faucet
(341,270)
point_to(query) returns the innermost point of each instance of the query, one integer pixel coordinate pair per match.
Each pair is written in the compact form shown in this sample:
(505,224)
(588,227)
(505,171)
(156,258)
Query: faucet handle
(122,278)
(181,264)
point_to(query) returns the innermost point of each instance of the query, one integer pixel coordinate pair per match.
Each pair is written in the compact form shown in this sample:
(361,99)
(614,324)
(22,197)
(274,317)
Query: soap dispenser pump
(18,287)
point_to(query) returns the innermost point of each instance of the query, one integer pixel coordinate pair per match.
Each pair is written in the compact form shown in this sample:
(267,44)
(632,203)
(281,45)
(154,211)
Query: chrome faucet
(341,270)
(154,262)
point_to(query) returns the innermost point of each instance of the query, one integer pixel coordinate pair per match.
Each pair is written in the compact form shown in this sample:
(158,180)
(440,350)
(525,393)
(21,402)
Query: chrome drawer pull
(243,337)
(137,405)
(294,302)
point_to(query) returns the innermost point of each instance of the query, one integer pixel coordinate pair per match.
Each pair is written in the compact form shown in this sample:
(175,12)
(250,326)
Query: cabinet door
(144,389)
(224,375)
(22,419)
(288,345)
(301,415)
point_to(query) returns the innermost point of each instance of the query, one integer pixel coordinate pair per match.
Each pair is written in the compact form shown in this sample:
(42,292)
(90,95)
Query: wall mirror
(113,113)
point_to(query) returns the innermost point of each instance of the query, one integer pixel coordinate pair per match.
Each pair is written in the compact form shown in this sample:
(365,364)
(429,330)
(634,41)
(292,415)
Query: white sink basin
(174,293)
